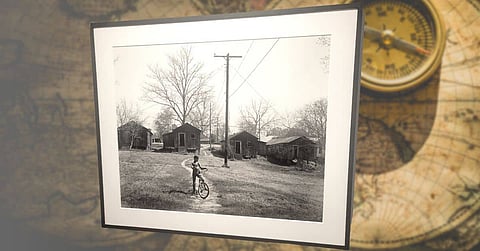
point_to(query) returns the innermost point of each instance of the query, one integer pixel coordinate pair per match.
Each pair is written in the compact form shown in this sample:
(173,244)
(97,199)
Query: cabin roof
(133,123)
(286,140)
(186,126)
(242,133)
(265,139)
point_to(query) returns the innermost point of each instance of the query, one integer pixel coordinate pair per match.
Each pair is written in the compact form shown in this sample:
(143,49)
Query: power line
(258,93)
(246,81)
(233,78)
(255,67)
(243,58)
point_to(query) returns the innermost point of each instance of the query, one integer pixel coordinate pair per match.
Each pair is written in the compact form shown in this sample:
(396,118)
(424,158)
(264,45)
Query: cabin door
(238,147)
(295,152)
(181,142)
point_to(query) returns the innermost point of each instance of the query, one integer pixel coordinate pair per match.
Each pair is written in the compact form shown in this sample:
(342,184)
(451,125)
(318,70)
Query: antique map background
(418,180)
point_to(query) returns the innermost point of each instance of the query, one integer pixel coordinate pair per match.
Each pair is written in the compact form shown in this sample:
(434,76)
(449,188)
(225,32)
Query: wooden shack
(133,135)
(290,150)
(182,139)
(244,144)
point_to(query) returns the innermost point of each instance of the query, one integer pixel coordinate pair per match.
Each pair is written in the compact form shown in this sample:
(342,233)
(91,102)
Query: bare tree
(247,125)
(295,131)
(127,112)
(163,122)
(313,119)
(256,117)
(180,86)
(284,126)
(200,115)
(129,120)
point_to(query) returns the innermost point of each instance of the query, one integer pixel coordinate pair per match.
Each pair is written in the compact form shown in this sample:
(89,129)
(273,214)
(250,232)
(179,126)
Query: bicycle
(203,189)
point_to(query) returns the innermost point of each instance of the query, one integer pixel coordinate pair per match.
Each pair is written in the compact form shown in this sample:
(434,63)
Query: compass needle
(372,33)
(409,47)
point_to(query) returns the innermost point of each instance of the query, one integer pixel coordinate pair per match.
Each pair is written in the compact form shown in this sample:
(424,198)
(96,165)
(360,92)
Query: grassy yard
(248,188)
(154,181)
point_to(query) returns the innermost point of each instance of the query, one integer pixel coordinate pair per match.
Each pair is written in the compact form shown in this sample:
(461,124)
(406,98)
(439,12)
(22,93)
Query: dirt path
(208,205)
(204,151)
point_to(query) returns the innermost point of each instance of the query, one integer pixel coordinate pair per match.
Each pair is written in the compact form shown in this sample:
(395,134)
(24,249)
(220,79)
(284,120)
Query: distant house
(291,149)
(183,138)
(204,139)
(135,136)
(243,145)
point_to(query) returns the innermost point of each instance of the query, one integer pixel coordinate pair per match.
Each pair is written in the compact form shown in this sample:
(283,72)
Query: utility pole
(226,142)
(216,135)
(210,123)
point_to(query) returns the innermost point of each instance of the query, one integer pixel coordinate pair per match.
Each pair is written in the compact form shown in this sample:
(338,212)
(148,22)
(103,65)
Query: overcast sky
(293,72)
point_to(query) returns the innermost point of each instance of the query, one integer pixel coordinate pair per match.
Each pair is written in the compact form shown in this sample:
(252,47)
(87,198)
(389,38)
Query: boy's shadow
(189,192)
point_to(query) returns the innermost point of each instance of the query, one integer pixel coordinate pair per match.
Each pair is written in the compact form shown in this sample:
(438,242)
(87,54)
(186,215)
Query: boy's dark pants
(194,180)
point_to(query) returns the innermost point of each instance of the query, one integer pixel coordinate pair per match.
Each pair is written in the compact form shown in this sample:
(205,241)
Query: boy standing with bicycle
(196,172)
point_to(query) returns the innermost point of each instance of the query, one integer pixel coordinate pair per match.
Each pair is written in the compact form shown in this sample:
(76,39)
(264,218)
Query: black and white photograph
(171,110)
(244,120)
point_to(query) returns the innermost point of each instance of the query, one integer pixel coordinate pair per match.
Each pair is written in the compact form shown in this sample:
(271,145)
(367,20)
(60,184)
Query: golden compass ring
(403,46)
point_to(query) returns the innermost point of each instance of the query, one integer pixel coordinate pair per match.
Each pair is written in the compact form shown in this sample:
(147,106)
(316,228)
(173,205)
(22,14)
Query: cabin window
(249,144)
(193,135)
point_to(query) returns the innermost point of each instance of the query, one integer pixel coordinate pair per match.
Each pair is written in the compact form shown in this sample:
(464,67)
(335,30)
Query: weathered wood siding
(142,138)
(168,141)
(191,138)
(299,149)
(248,144)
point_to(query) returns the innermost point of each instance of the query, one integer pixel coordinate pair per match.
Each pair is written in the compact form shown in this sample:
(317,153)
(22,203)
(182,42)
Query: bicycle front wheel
(203,190)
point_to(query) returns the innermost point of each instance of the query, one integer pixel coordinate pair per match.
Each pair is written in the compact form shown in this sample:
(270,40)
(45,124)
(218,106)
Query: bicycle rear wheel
(203,190)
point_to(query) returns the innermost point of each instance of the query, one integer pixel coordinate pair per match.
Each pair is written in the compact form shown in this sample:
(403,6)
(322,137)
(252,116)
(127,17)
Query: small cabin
(185,138)
(133,135)
(242,145)
(290,150)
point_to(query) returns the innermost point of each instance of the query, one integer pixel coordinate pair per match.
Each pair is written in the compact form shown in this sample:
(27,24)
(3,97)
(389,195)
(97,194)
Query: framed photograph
(240,125)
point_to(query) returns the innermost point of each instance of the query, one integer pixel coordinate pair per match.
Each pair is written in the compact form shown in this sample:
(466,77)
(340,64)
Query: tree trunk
(132,139)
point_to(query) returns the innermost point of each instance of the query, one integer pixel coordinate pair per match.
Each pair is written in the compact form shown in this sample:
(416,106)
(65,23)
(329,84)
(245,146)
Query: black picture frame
(344,26)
